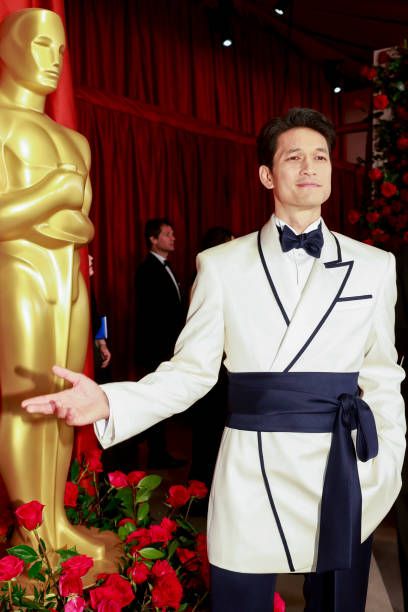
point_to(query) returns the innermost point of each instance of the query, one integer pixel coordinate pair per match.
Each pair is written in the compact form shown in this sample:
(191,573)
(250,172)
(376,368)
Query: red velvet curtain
(171,117)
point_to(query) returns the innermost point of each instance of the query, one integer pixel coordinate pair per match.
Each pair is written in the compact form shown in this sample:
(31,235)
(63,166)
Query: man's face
(34,58)
(301,173)
(164,243)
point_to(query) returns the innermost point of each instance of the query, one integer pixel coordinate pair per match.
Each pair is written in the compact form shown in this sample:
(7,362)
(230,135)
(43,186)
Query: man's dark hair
(296,117)
(153,229)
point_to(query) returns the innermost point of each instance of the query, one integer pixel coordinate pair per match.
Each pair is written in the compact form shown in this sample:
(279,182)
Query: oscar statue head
(32,43)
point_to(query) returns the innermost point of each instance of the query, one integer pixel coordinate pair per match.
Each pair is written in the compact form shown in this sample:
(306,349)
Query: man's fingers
(41,407)
(69,375)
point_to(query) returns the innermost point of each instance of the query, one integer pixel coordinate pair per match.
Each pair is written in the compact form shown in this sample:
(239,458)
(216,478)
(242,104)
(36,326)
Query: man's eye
(321,157)
(295,157)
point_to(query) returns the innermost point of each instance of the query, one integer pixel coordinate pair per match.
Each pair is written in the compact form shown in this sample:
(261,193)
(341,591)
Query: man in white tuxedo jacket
(310,460)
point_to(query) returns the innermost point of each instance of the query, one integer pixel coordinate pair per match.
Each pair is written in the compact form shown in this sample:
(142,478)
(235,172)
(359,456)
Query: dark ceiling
(344,30)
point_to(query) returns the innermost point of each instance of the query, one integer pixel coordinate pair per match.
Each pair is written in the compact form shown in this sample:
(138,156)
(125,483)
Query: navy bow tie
(311,242)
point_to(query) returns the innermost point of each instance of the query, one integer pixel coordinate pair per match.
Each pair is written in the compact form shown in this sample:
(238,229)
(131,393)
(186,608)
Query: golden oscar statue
(45,196)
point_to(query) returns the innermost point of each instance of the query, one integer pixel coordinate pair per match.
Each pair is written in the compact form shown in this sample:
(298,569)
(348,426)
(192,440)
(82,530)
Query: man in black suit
(159,320)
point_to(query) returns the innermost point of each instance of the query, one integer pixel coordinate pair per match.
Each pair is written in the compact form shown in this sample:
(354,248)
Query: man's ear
(265,175)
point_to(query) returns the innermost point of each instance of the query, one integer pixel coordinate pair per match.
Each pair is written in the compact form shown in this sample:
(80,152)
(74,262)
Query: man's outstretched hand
(83,404)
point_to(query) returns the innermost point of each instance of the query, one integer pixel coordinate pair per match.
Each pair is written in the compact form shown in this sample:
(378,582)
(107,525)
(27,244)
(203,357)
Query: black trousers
(336,591)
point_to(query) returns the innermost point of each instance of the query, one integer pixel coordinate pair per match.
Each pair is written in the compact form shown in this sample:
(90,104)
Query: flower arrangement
(383,220)
(164,565)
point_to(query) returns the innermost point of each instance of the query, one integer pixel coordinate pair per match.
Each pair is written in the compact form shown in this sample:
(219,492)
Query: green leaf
(143,511)
(183,607)
(143,495)
(74,472)
(126,499)
(150,482)
(125,529)
(67,553)
(151,553)
(32,605)
(26,553)
(174,544)
(35,569)
(185,525)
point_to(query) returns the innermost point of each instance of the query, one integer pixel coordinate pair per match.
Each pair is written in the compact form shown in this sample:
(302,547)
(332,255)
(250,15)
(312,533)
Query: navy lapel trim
(330,264)
(271,283)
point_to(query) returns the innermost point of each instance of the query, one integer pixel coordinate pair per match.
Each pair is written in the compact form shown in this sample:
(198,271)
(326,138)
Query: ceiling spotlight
(334,74)
(227,42)
(282,7)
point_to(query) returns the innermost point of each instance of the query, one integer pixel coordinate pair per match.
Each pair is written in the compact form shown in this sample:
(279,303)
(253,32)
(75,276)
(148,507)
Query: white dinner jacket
(343,322)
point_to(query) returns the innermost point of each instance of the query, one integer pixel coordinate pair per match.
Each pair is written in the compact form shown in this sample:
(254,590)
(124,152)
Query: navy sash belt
(314,402)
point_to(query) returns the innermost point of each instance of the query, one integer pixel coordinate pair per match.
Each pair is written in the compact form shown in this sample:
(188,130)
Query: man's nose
(308,168)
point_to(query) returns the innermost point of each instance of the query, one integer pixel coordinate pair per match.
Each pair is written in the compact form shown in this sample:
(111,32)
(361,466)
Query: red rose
(372,217)
(402,143)
(378,202)
(386,211)
(375,174)
(380,102)
(178,496)
(135,477)
(401,222)
(142,536)
(369,241)
(69,584)
(159,534)
(77,604)
(368,72)
(167,592)
(161,568)
(78,565)
(118,479)
(30,515)
(92,459)
(139,572)
(353,216)
(106,605)
(88,484)
(388,189)
(10,567)
(71,494)
(168,525)
(116,589)
(197,489)
(188,558)
(379,235)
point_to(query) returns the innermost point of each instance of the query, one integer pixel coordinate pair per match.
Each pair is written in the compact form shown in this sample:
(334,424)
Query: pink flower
(69,584)
(71,494)
(178,496)
(278,603)
(10,567)
(118,479)
(76,604)
(78,565)
(135,477)
(30,515)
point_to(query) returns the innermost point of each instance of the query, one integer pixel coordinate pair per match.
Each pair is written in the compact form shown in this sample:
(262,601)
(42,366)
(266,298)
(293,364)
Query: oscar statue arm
(22,208)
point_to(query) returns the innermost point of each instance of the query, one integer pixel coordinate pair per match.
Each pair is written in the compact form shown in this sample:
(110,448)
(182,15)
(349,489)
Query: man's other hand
(83,404)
